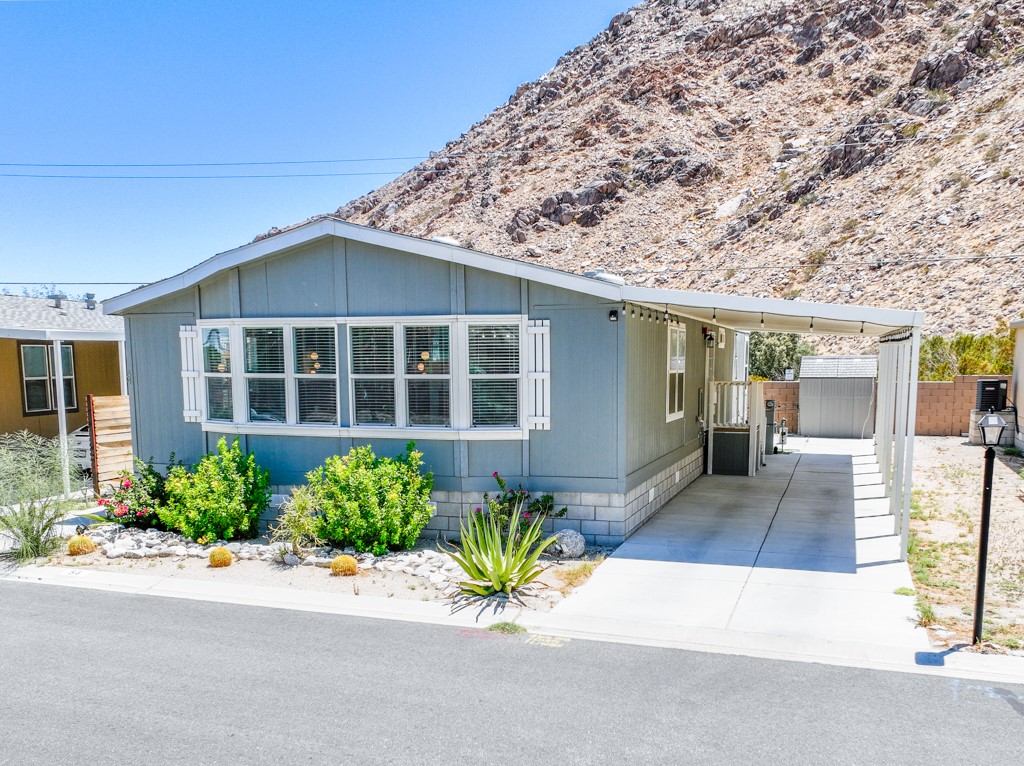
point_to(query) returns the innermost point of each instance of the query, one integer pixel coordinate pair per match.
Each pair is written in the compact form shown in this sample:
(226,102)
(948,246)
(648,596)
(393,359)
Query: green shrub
(504,504)
(370,503)
(221,498)
(134,499)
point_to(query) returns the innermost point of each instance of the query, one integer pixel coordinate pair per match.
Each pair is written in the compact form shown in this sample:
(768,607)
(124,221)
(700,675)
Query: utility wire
(822,131)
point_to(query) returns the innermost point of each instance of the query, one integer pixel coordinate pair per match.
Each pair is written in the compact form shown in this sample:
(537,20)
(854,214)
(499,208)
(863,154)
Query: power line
(451,155)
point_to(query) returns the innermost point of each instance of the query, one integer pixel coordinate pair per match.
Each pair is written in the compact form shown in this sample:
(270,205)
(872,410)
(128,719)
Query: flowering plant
(503,506)
(135,496)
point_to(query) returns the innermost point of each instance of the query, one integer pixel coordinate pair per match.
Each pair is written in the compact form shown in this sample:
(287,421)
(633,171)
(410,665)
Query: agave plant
(497,565)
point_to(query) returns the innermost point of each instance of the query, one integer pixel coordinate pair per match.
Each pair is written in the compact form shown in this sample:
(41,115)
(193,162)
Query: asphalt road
(96,678)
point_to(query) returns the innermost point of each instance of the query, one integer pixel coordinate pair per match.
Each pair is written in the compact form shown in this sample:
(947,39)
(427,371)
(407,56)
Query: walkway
(803,551)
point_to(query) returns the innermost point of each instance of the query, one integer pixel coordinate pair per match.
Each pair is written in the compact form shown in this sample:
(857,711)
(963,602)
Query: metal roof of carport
(741,312)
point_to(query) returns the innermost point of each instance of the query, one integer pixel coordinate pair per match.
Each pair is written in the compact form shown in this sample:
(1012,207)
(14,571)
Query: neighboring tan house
(42,343)
(332,335)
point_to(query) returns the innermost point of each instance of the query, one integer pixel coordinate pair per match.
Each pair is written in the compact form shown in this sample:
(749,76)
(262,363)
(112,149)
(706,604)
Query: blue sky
(189,82)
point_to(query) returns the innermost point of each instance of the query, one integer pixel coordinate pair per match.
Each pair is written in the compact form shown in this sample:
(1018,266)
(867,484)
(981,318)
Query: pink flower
(126,483)
(494,475)
(526,515)
(478,509)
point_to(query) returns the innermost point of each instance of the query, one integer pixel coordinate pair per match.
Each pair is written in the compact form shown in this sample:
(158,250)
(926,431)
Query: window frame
(519,376)
(675,329)
(293,363)
(460,386)
(51,391)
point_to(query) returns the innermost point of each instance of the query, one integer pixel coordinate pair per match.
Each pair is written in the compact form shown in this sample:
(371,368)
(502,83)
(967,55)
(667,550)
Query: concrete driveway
(803,551)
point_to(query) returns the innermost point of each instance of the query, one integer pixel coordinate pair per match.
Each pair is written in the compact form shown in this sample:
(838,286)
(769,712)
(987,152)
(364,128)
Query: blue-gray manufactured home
(332,335)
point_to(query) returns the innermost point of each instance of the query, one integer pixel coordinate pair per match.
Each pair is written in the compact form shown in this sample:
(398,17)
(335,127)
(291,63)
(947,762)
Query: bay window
(447,375)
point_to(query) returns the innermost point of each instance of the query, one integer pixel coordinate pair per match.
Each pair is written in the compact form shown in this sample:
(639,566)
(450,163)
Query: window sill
(365,432)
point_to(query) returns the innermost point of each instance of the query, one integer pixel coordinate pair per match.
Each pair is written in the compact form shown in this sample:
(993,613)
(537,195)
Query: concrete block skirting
(602,518)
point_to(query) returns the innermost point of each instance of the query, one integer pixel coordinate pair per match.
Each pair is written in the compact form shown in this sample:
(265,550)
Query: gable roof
(38,319)
(838,367)
(732,311)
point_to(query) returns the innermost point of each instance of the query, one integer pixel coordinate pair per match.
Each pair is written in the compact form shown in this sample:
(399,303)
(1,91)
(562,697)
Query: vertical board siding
(155,392)
(383,282)
(215,297)
(583,440)
(489,293)
(504,457)
(648,436)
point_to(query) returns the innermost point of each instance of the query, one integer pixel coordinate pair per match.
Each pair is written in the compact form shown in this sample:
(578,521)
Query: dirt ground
(557,581)
(943,554)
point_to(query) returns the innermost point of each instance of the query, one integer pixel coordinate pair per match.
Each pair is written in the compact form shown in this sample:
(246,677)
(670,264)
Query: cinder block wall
(944,407)
(787,402)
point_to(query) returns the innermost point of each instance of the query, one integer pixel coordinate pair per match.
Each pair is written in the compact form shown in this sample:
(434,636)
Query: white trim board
(738,312)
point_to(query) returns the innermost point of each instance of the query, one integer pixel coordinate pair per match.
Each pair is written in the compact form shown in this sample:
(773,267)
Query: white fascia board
(51,335)
(889,318)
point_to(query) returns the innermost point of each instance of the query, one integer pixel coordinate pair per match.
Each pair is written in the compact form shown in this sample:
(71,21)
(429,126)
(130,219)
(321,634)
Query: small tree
(771,353)
(967,354)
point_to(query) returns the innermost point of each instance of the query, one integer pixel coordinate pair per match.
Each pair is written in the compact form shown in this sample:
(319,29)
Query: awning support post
(62,415)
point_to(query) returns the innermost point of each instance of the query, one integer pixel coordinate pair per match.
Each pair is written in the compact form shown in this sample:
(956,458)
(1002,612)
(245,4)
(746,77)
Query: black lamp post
(991,427)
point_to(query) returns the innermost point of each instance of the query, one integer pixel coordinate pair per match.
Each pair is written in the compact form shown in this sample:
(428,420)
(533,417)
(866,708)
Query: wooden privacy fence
(110,431)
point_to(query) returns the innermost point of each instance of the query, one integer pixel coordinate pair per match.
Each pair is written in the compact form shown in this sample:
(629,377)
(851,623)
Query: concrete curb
(992,668)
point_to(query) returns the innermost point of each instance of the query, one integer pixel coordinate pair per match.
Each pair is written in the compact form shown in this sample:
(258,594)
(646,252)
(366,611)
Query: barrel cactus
(221,557)
(344,566)
(79,545)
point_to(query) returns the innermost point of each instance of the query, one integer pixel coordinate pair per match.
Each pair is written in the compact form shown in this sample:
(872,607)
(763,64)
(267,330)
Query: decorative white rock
(570,543)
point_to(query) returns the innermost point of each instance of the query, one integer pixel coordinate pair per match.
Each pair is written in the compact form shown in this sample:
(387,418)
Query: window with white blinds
(316,375)
(494,374)
(428,375)
(676,394)
(217,371)
(373,376)
(264,374)
(448,373)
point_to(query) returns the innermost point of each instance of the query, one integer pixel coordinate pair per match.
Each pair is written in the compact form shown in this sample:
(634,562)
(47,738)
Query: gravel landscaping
(425,573)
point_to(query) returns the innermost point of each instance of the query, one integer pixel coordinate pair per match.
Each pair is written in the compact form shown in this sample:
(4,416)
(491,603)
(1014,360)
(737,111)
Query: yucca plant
(495,565)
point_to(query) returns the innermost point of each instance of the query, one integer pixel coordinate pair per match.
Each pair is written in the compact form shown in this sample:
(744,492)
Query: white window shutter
(190,373)
(538,374)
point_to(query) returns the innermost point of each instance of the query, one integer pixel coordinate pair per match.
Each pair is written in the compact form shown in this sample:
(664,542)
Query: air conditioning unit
(991,395)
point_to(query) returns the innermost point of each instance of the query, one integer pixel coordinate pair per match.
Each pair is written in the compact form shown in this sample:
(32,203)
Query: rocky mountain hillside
(866,152)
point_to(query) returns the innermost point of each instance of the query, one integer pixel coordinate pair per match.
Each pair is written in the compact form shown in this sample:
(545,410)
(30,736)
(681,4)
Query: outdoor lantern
(991,427)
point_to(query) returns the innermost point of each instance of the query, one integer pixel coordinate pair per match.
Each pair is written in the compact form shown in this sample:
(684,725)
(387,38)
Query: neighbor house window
(264,374)
(494,375)
(316,375)
(676,371)
(39,378)
(217,371)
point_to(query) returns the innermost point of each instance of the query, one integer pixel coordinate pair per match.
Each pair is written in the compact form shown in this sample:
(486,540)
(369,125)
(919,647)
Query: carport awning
(738,312)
